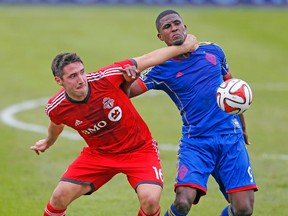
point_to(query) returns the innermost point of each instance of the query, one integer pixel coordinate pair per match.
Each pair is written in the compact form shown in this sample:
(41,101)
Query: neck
(78,99)
(183,56)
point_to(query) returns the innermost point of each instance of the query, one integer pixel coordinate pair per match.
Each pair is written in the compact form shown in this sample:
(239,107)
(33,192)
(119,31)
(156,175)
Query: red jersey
(106,119)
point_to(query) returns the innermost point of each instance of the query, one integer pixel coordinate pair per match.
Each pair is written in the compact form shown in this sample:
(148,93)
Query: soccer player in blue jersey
(212,142)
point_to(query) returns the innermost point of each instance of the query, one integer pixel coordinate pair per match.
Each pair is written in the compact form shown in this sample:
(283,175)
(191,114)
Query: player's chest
(182,76)
(101,110)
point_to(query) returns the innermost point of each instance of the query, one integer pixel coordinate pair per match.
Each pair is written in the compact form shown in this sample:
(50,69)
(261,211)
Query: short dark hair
(161,15)
(61,60)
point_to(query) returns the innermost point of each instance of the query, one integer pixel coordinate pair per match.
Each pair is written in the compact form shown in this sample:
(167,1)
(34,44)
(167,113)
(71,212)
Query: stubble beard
(178,42)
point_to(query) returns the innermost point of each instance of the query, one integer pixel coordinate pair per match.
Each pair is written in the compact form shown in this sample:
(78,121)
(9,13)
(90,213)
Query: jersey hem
(250,187)
(80,183)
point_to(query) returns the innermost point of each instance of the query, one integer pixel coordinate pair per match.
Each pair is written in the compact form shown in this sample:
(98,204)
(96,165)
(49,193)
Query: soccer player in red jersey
(118,139)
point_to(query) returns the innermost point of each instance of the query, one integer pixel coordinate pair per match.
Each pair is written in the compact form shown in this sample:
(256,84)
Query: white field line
(8,117)
(275,156)
(271,86)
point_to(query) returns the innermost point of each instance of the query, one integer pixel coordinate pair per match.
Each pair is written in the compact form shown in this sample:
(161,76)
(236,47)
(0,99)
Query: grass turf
(255,41)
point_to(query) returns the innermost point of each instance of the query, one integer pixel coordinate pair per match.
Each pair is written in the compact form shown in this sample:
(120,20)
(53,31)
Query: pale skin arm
(42,145)
(163,54)
(154,58)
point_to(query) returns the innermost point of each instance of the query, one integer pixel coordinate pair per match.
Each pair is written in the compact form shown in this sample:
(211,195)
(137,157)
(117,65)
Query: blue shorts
(225,157)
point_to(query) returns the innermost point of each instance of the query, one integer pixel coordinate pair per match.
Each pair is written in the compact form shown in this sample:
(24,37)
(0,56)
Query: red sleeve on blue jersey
(224,65)
(227,76)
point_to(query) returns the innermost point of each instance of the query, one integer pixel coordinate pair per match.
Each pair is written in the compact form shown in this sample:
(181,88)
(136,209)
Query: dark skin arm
(130,74)
(241,116)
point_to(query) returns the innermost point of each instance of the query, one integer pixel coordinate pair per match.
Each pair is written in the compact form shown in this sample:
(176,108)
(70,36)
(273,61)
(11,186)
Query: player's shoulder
(92,76)
(211,47)
(58,96)
(55,100)
(117,65)
(145,73)
(208,44)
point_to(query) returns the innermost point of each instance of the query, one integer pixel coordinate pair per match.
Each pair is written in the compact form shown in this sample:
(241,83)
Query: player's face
(74,81)
(172,30)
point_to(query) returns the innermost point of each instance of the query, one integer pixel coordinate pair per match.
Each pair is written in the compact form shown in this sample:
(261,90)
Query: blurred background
(253,34)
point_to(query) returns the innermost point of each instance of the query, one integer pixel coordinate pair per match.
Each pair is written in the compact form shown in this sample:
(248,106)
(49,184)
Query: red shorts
(95,169)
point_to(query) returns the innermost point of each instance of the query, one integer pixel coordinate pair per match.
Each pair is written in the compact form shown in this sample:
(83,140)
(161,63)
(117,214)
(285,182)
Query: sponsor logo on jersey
(179,74)
(182,172)
(211,58)
(78,122)
(108,103)
(235,123)
(95,128)
(114,115)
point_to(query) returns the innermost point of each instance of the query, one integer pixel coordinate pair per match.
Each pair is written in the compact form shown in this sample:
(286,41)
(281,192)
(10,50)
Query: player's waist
(208,130)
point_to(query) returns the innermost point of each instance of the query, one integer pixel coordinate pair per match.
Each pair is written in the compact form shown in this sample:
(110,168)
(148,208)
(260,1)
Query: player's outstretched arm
(53,132)
(163,54)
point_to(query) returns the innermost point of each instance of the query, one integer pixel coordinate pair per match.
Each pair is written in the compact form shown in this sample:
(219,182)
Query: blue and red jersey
(192,83)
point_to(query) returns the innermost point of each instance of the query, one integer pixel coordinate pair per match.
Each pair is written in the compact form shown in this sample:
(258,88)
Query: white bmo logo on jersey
(115,114)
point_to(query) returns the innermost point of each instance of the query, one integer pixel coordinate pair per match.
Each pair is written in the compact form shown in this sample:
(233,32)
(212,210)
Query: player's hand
(192,42)
(40,146)
(130,73)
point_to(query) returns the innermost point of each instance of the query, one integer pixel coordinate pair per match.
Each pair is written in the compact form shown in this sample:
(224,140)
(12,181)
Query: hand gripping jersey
(192,84)
(106,119)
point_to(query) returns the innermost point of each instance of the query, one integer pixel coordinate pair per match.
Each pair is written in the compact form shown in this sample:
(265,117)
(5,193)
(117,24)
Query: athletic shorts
(225,157)
(141,166)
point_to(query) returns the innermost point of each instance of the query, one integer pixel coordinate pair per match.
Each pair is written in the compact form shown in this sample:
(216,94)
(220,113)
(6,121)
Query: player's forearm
(158,56)
(241,116)
(53,133)
(126,88)
(163,54)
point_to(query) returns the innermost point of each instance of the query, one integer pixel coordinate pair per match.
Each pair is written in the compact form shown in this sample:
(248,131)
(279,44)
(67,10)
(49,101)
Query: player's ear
(159,36)
(58,80)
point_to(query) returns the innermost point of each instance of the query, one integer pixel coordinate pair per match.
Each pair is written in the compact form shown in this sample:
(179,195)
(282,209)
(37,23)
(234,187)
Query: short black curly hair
(162,14)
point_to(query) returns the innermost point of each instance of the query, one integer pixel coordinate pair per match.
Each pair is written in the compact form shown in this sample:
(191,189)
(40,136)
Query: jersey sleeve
(224,65)
(218,51)
(51,108)
(50,113)
(147,79)
(112,72)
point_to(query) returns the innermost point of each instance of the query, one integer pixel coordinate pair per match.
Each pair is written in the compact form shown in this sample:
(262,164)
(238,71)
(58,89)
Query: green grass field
(256,44)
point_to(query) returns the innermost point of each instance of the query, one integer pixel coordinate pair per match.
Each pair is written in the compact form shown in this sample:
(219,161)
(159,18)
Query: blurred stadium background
(255,39)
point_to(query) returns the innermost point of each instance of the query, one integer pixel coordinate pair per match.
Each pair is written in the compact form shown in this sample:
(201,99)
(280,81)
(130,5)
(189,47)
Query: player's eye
(72,76)
(177,22)
(166,26)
